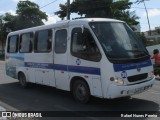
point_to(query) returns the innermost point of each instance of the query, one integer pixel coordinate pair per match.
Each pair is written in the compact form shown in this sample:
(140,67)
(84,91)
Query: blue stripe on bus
(122,67)
(16,56)
(87,70)
(60,67)
(70,68)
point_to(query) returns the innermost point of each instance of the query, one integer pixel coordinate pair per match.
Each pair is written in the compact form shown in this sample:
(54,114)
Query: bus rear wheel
(81,91)
(22,80)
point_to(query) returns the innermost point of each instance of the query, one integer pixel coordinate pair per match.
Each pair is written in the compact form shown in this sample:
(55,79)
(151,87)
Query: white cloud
(64,1)
(152,13)
(16,1)
(51,19)
(9,11)
(2,12)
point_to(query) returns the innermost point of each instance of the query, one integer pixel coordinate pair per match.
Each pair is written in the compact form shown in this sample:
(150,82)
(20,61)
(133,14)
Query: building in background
(155,32)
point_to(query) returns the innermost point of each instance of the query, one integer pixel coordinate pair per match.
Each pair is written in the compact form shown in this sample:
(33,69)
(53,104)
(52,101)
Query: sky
(51,6)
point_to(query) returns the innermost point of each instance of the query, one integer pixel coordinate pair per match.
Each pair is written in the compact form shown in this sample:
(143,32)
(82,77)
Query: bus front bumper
(116,91)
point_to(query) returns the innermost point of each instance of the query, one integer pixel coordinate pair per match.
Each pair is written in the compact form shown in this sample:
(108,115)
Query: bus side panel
(39,68)
(13,61)
(88,71)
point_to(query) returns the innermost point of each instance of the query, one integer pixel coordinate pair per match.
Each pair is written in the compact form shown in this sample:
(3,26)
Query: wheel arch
(78,78)
(21,70)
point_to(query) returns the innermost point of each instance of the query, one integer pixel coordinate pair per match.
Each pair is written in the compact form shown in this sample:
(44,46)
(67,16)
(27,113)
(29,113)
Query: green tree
(62,13)
(5,24)
(9,23)
(130,18)
(158,31)
(101,8)
(2,33)
(28,15)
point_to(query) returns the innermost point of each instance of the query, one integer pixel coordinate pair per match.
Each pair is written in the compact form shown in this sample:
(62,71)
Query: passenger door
(42,59)
(85,58)
(60,59)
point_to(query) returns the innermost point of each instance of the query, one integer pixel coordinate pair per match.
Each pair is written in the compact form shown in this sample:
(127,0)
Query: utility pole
(147,19)
(140,1)
(68,9)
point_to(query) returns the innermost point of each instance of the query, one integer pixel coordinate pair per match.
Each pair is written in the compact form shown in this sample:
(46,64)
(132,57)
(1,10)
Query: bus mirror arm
(82,27)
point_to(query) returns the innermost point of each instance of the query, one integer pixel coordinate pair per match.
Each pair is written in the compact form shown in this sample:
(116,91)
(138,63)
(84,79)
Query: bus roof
(64,23)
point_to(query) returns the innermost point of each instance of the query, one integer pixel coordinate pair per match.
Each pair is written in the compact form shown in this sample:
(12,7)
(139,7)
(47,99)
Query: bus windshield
(118,41)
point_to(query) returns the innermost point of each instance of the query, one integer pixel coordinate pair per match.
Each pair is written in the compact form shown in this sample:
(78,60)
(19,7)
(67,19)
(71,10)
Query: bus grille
(137,77)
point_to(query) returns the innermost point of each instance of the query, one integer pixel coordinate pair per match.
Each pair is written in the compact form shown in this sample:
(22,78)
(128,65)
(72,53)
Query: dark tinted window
(61,41)
(12,44)
(43,41)
(118,40)
(84,46)
(26,43)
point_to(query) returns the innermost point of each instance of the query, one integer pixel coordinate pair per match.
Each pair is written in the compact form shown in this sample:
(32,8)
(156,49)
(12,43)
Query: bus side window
(61,41)
(84,45)
(26,43)
(43,40)
(77,45)
(12,44)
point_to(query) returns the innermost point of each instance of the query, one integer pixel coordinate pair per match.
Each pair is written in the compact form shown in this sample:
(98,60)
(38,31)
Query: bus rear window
(12,44)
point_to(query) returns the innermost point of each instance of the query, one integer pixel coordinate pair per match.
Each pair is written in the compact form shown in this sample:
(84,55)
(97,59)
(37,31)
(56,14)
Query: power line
(48,4)
(19,25)
(144,8)
(151,24)
(57,0)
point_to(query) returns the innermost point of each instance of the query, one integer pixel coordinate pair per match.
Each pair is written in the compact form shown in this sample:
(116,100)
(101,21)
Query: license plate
(138,90)
(135,91)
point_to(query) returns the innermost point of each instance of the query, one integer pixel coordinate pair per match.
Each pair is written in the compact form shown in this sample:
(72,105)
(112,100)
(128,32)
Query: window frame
(56,43)
(36,41)
(17,42)
(32,42)
(80,55)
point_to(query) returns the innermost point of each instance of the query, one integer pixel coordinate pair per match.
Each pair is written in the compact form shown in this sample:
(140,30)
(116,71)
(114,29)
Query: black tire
(22,80)
(81,91)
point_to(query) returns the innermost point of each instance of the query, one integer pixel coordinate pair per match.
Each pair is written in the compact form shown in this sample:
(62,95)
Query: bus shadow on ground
(44,98)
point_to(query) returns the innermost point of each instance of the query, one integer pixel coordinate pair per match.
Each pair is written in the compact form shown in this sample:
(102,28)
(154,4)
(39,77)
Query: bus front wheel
(22,80)
(81,91)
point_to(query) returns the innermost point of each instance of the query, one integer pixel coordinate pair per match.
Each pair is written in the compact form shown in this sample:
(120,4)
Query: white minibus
(89,57)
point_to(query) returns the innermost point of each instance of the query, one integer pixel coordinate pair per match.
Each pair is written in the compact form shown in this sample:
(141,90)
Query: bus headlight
(118,80)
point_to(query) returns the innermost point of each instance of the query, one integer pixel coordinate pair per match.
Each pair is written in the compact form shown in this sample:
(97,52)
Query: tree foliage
(101,8)
(28,15)
(158,31)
